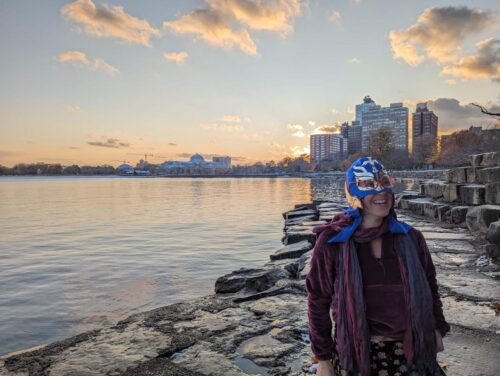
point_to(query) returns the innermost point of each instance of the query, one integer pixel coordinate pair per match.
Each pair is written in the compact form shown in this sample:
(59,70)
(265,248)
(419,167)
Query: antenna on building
(146,156)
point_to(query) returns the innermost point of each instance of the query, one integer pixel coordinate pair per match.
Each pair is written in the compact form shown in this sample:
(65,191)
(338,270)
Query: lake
(78,253)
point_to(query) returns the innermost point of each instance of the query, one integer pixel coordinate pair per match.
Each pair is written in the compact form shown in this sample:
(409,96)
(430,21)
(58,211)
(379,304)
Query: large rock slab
(493,233)
(479,218)
(492,193)
(294,250)
(458,214)
(457,175)
(489,175)
(472,194)
(299,233)
(249,279)
(470,315)
(470,285)
(299,213)
(433,189)
(451,192)
(490,159)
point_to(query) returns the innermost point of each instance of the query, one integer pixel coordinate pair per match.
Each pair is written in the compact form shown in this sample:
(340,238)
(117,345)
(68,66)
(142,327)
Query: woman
(374,275)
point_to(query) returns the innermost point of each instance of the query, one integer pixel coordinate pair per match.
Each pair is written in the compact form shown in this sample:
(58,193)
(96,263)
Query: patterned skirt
(387,359)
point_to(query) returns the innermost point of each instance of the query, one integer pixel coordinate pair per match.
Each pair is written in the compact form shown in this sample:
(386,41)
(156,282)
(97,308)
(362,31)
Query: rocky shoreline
(256,321)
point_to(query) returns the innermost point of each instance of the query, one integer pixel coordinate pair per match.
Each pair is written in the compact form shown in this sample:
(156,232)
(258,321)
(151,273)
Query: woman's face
(377,205)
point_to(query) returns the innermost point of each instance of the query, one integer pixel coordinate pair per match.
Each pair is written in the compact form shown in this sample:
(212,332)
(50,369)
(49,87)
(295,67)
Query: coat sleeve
(319,285)
(430,271)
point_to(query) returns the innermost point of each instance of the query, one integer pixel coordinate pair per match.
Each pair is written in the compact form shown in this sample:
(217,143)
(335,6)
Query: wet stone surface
(259,325)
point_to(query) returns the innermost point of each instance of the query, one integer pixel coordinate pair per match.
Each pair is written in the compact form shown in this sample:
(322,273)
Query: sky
(105,82)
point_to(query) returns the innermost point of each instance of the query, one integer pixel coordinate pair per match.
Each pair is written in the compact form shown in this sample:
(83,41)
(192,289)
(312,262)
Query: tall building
(327,147)
(363,107)
(425,127)
(394,117)
(221,162)
(353,134)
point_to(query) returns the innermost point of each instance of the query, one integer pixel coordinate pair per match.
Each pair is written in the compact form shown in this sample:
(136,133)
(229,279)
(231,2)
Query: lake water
(77,253)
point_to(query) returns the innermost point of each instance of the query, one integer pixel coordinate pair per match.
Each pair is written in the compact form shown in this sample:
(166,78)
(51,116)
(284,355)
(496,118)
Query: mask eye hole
(366,184)
(385,181)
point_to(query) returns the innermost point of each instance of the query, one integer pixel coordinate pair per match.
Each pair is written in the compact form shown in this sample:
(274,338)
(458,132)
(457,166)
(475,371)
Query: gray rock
(470,315)
(249,279)
(476,159)
(489,175)
(457,175)
(433,189)
(491,250)
(472,194)
(479,218)
(490,159)
(298,213)
(492,193)
(294,250)
(458,214)
(493,233)
(451,192)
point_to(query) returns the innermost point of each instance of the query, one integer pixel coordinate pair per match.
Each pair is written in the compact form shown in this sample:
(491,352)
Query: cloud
(485,64)
(172,144)
(335,17)
(296,129)
(78,59)
(350,110)
(178,57)
(327,128)
(438,34)
(73,147)
(451,82)
(73,108)
(299,150)
(231,119)
(311,123)
(222,127)
(113,143)
(354,60)
(215,24)
(453,115)
(104,21)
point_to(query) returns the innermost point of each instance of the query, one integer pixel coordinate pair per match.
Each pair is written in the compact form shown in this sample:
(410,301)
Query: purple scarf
(353,336)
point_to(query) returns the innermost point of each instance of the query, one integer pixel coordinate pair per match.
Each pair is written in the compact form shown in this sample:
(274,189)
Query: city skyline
(93,82)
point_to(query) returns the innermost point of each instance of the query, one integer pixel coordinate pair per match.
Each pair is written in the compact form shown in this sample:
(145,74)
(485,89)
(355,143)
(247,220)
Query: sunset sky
(93,82)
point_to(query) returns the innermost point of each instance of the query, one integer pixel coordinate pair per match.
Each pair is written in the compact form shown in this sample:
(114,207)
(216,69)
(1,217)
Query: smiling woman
(373,275)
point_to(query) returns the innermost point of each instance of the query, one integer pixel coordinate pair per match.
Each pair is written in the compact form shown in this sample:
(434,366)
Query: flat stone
(470,315)
(199,358)
(249,279)
(451,246)
(453,260)
(492,193)
(489,175)
(471,285)
(467,354)
(479,218)
(264,346)
(298,213)
(294,250)
(472,194)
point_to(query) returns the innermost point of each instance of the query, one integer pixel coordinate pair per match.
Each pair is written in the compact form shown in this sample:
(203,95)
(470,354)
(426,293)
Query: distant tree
(425,150)
(5,170)
(71,170)
(381,143)
(350,160)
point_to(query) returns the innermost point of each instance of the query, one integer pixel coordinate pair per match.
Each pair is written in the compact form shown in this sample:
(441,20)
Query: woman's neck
(371,221)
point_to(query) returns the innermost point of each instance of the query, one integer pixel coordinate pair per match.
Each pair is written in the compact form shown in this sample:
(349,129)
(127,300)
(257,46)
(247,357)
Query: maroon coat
(385,310)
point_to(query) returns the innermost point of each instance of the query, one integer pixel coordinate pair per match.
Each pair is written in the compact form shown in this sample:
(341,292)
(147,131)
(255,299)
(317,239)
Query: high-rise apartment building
(425,127)
(327,147)
(395,117)
(363,107)
(353,134)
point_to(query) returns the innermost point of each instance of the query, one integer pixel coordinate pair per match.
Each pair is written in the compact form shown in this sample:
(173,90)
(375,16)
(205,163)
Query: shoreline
(256,319)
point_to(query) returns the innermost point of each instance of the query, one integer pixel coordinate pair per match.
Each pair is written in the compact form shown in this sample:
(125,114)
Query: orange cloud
(438,34)
(222,127)
(105,21)
(178,57)
(485,64)
(215,23)
(79,59)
